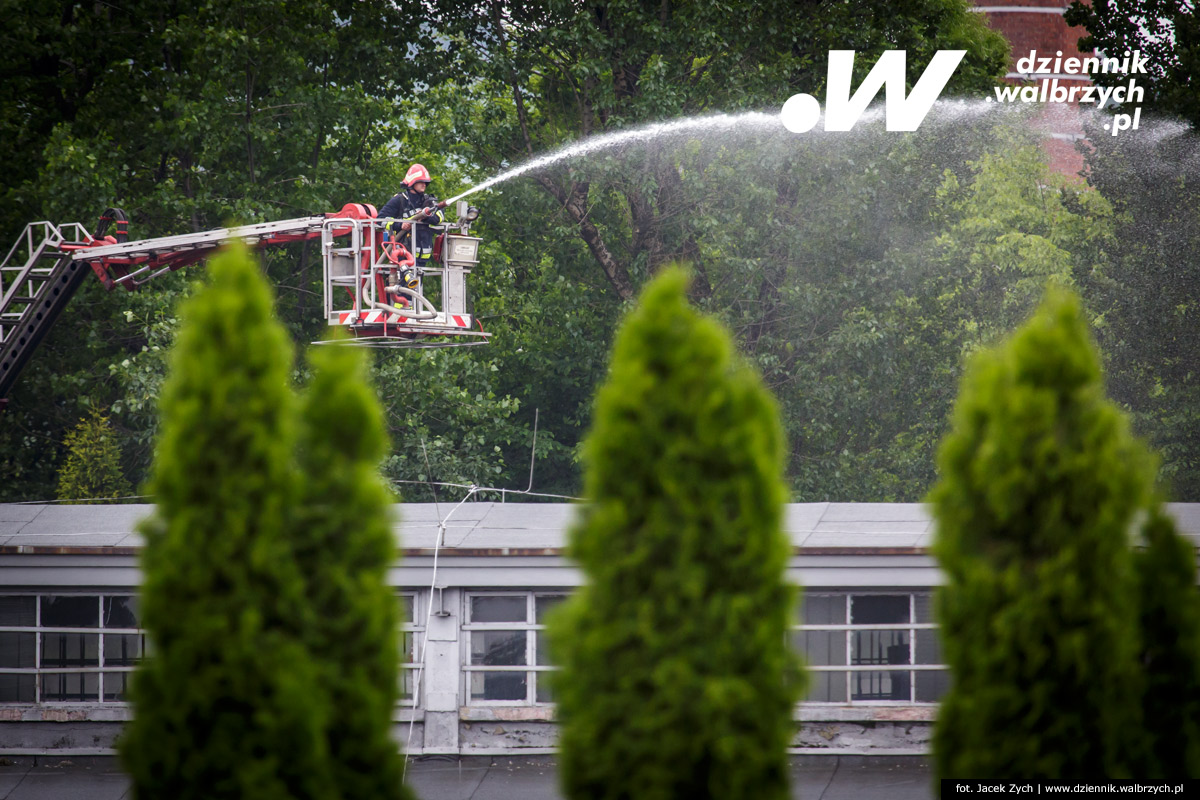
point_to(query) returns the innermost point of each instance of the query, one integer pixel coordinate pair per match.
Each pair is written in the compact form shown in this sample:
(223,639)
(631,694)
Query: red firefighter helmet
(416,174)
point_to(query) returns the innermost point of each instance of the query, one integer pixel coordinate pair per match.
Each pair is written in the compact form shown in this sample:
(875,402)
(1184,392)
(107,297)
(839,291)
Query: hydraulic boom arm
(48,263)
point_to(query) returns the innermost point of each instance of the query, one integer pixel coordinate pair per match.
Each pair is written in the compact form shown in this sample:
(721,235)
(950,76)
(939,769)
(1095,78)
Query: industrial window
(411,626)
(853,645)
(68,648)
(506,656)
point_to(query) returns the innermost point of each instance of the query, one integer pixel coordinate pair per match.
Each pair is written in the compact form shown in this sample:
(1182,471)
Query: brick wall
(1039,25)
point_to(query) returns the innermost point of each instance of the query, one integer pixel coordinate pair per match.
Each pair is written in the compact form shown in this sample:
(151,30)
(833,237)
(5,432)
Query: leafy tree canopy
(1166,32)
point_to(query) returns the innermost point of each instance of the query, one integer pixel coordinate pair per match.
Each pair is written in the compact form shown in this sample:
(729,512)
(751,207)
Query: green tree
(229,704)
(790,276)
(676,680)
(186,116)
(1166,32)
(1169,612)
(1148,300)
(93,466)
(553,71)
(344,544)
(1145,299)
(296,114)
(1040,479)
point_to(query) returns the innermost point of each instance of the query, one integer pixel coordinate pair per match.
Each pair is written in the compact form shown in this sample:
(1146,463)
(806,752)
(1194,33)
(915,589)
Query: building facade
(474,585)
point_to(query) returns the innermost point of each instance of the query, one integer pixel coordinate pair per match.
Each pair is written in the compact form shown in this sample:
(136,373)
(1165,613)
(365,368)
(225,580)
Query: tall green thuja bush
(1040,481)
(228,705)
(344,545)
(93,467)
(1169,609)
(676,680)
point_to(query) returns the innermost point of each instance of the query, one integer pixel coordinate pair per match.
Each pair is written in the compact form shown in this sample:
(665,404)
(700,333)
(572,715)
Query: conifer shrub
(676,680)
(92,470)
(1040,481)
(228,704)
(345,546)
(1169,610)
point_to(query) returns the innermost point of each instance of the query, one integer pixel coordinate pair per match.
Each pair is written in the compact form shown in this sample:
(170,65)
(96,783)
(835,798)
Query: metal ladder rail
(129,260)
(27,251)
(262,233)
(34,294)
(42,277)
(40,287)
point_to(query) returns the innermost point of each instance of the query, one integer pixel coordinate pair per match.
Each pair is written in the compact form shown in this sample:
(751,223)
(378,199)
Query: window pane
(408,643)
(121,612)
(16,649)
(116,686)
(71,686)
(498,648)
(823,609)
(70,611)
(498,685)
(544,694)
(122,650)
(542,646)
(18,611)
(879,686)
(70,650)
(924,607)
(545,603)
(17,688)
(507,608)
(821,648)
(879,609)
(407,611)
(826,687)
(929,647)
(879,647)
(407,680)
(931,686)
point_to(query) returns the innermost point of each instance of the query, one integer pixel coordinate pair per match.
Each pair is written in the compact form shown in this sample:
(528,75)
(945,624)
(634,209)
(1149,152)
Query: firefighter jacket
(403,206)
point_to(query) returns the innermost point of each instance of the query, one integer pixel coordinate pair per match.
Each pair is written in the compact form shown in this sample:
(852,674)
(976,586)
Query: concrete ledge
(510,731)
(804,713)
(506,713)
(97,712)
(56,756)
(814,713)
(408,714)
(81,712)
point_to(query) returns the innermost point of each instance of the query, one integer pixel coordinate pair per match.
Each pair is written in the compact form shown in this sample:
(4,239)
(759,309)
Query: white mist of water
(944,111)
(593,144)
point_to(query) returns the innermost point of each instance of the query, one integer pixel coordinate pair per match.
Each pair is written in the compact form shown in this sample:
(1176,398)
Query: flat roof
(502,529)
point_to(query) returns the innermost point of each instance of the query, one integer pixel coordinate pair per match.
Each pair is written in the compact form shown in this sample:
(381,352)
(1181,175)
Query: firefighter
(413,204)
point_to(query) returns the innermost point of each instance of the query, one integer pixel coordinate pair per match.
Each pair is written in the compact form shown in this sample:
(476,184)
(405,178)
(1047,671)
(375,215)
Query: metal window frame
(414,625)
(408,660)
(37,670)
(532,629)
(912,668)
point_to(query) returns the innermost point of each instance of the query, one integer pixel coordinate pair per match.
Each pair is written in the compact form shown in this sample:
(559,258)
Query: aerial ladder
(372,286)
